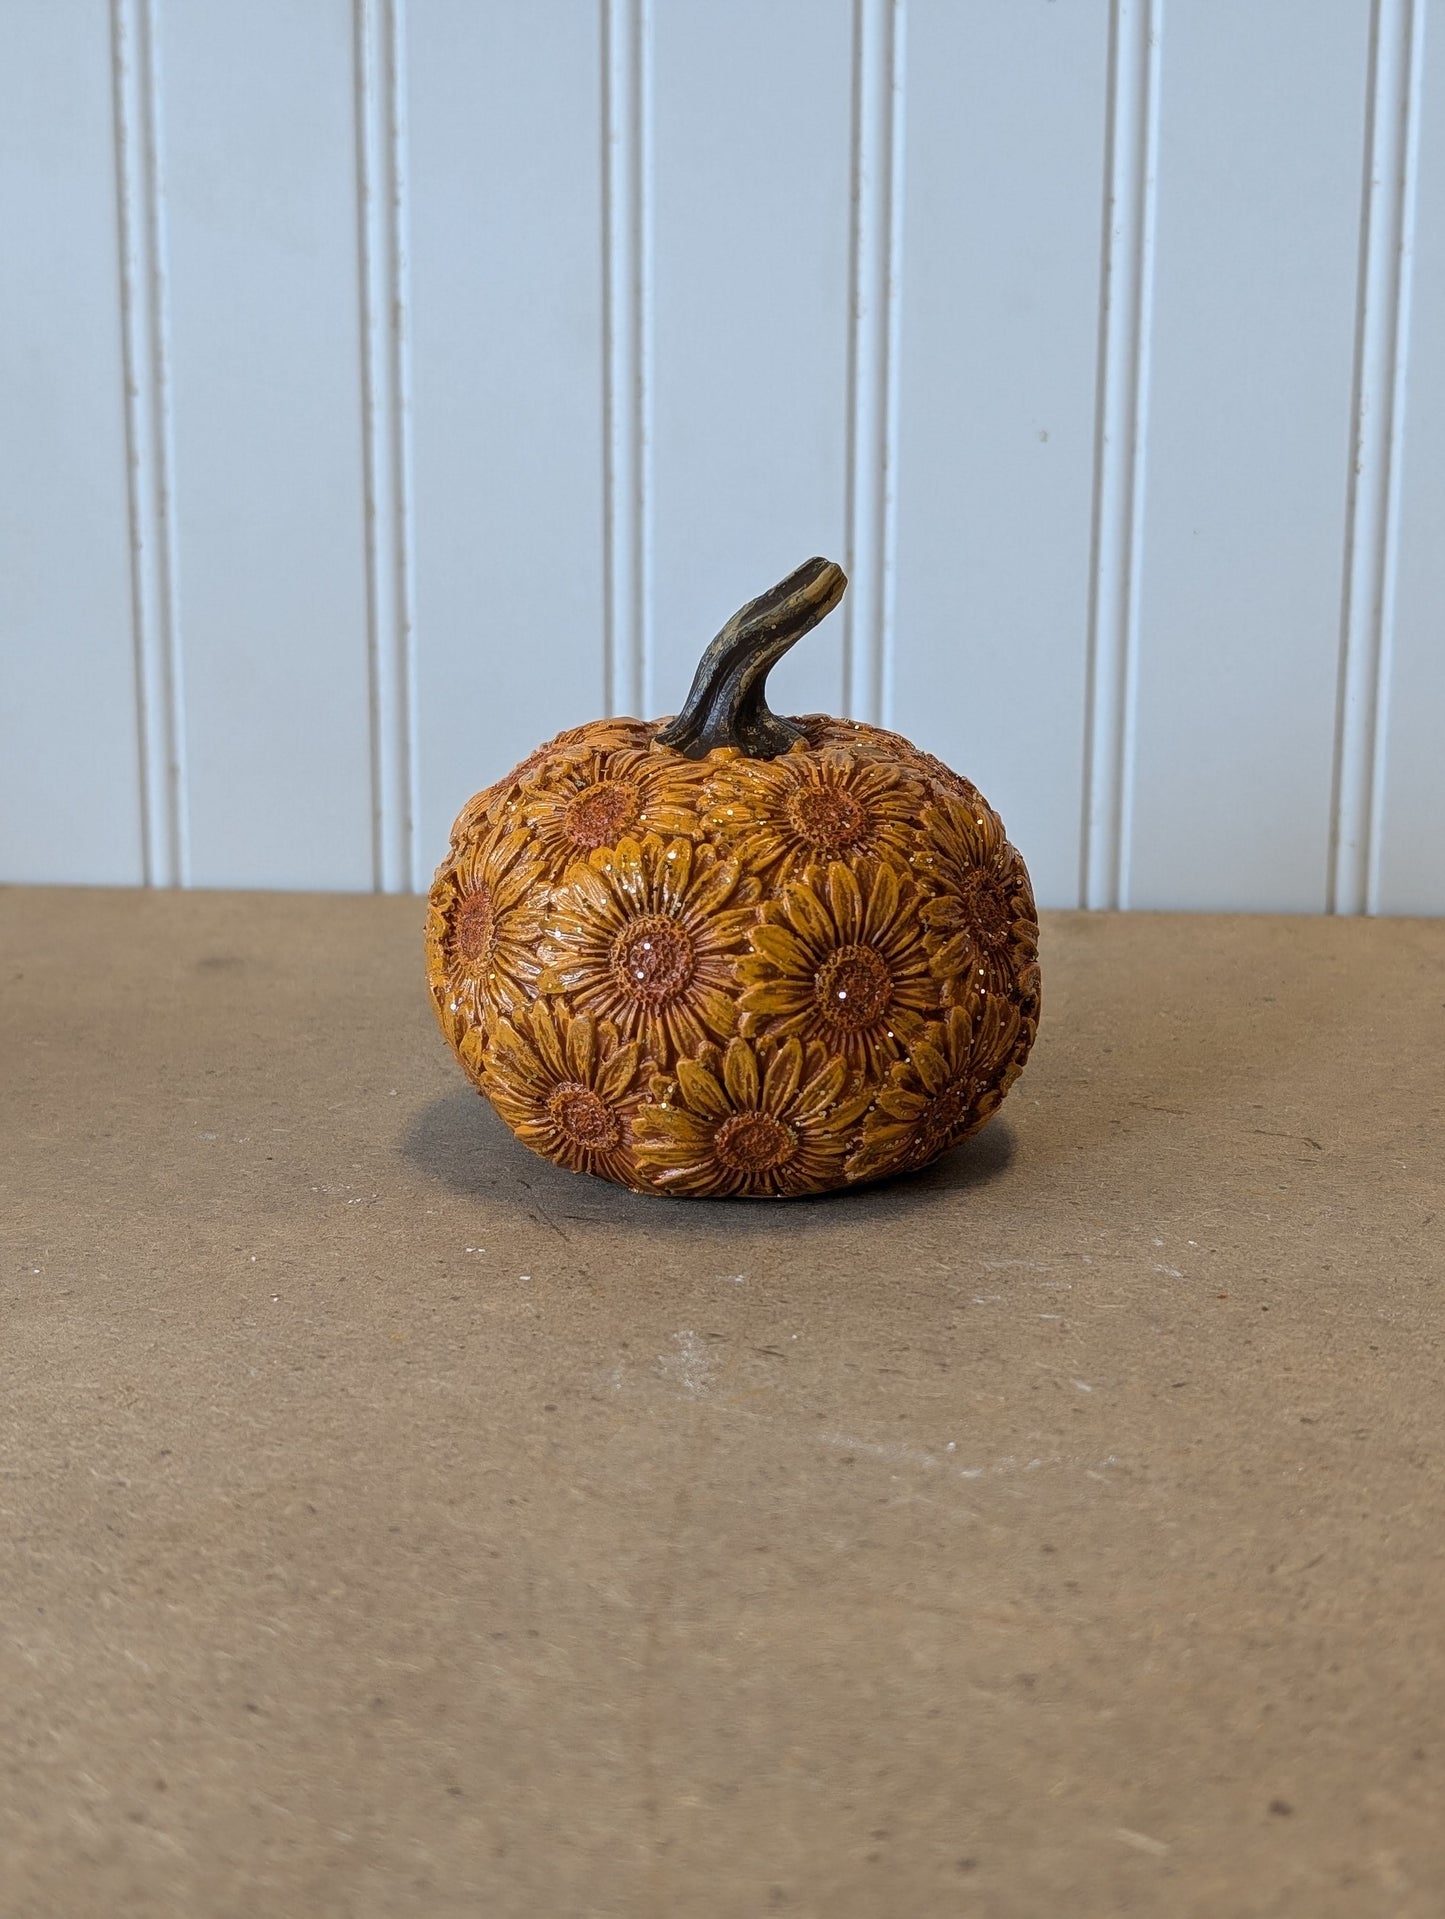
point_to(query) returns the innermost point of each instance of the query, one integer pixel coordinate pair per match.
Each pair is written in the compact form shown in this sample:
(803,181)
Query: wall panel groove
(386,401)
(877,239)
(1121,441)
(150,461)
(1371,546)
(626,179)
(1408,851)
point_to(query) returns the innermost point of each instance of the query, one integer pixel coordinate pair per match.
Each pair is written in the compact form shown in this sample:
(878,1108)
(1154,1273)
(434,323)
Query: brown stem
(726,706)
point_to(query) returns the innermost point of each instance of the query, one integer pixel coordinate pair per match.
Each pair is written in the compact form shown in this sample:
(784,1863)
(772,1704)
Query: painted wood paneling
(745,254)
(505,115)
(1003,188)
(1409,864)
(1245,509)
(1371,547)
(70,775)
(385,384)
(260,130)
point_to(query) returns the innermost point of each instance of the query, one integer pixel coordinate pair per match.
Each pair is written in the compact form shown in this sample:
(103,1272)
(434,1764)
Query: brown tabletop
(391,1524)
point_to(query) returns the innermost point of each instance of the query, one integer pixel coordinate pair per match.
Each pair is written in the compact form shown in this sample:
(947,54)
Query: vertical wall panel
(751,140)
(1261,158)
(1374,464)
(69,733)
(386,382)
(506,278)
(260,107)
(1004,177)
(1410,822)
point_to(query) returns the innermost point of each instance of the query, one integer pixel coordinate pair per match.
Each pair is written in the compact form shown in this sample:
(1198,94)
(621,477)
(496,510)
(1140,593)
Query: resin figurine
(732,953)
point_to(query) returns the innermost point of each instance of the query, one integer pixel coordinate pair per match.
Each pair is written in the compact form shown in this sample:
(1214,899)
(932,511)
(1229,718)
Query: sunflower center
(601,813)
(853,987)
(584,1117)
(476,927)
(753,1143)
(984,908)
(653,959)
(827,817)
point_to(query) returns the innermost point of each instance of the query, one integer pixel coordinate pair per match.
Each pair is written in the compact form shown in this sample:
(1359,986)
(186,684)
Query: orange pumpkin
(735,954)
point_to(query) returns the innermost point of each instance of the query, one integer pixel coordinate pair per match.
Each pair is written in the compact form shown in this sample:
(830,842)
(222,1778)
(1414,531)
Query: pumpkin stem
(726,706)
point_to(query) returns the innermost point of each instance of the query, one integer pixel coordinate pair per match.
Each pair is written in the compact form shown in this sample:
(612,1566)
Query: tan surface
(393,1525)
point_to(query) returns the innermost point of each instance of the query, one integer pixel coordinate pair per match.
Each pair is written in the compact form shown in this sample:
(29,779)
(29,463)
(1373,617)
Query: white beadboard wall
(385,384)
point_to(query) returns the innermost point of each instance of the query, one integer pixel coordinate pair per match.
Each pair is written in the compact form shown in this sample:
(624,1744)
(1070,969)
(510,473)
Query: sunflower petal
(881,906)
(715,885)
(958,1042)
(876,1158)
(780,946)
(618,1071)
(809,917)
(954,958)
(671,821)
(626,867)
(903,1103)
(776,999)
(472,1051)
(845,902)
(717,1010)
(846,1114)
(585,892)
(740,1075)
(931,1067)
(782,1077)
(564,979)
(674,867)
(908,1026)
(581,1048)
(663,1134)
(701,1090)
(728,931)
(944,909)
(546,1041)
(683,1029)
(822,1091)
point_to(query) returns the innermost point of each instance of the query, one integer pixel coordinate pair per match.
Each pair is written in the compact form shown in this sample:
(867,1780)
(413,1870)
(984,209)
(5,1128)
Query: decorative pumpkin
(735,954)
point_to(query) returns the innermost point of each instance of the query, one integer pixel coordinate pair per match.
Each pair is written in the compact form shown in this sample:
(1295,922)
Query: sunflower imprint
(804,808)
(838,958)
(646,935)
(569,1091)
(588,798)
(482,927)
(758,1121)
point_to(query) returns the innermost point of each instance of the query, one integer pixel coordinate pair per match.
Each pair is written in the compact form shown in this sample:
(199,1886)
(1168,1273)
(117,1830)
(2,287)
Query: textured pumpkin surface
(731,975)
